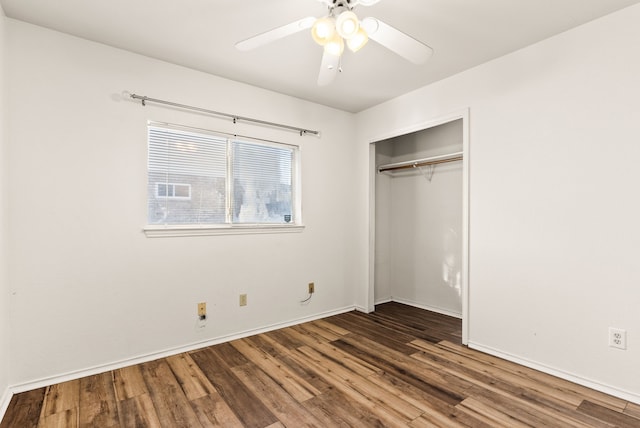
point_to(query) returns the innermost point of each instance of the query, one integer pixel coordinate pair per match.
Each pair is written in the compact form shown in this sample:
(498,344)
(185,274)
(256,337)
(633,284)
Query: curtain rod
(452,157)
(234,117)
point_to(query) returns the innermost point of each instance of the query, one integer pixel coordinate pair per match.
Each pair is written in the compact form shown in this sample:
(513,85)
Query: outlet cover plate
(617,338)
(202,309)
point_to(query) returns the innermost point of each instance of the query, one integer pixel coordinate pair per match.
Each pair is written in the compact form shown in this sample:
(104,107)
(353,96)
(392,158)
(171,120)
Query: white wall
(553,209)
(419,222)
(90,288)
(553,234)
(4,286)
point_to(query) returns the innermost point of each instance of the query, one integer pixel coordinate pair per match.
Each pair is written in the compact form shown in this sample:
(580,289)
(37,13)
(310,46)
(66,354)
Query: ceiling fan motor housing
(339,3)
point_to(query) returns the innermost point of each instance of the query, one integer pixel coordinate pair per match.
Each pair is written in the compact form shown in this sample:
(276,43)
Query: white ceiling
(201,34)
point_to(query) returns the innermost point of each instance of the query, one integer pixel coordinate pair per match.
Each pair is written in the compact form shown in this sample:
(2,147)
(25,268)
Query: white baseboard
(426,307)
(362,309)
(598,386)
(4,402)
(39,383)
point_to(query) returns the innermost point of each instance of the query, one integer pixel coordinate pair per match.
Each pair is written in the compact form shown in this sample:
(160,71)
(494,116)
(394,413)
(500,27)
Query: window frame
(182,230)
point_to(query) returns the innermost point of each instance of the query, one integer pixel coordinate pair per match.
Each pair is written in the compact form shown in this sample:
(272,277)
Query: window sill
(208,230)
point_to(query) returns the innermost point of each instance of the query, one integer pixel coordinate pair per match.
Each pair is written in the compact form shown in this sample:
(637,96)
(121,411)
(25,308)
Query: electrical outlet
(312,288)
(243,300)
(617,338)
(202,310)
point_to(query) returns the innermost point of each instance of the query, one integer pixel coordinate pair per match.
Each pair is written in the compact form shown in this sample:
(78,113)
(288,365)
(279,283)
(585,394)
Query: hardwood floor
(399,366)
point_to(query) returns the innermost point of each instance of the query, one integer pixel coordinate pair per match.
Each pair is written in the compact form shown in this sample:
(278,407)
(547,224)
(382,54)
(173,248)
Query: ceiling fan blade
(397,41)
(328,69)
(275,34)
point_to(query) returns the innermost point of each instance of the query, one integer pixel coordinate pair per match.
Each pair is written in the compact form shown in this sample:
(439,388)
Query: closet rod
(234,117)
(452,157)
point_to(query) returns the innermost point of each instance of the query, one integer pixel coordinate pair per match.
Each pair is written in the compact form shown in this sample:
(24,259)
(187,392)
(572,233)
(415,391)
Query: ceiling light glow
(323,30)
(356,42)
(347,24)
(335,46)
(334,32)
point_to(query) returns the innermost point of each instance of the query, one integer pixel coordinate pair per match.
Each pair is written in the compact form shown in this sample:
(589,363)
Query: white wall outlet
(617,338)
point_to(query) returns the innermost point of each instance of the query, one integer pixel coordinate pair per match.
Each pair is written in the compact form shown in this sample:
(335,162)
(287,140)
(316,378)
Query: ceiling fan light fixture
(323,30)
(356,42)
(347,24)
(368,2)
(335,46)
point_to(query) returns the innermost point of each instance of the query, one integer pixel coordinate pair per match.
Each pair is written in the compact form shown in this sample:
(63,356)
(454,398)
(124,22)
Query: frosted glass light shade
(323,30)
(347,24)
(356,42)
(335,46)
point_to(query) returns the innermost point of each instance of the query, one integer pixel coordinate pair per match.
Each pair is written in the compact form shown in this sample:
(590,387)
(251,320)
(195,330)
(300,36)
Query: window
(200,178)
(173,190)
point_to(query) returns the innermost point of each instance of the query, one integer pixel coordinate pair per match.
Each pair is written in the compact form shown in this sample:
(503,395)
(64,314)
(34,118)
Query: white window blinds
(262,183)
(197,178)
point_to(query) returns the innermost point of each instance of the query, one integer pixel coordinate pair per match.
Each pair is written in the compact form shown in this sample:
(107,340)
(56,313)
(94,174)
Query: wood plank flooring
(397,367)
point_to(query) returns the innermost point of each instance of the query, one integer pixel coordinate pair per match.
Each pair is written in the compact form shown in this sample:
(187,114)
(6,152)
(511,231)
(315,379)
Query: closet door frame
(464,115)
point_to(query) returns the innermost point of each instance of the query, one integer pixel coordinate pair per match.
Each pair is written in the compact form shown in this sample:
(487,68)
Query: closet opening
(419,249)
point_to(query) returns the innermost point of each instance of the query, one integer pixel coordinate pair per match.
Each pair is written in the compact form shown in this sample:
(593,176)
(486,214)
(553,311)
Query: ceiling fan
(339,27)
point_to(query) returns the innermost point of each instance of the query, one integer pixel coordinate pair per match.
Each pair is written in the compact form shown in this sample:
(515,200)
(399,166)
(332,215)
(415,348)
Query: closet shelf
(416,163)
